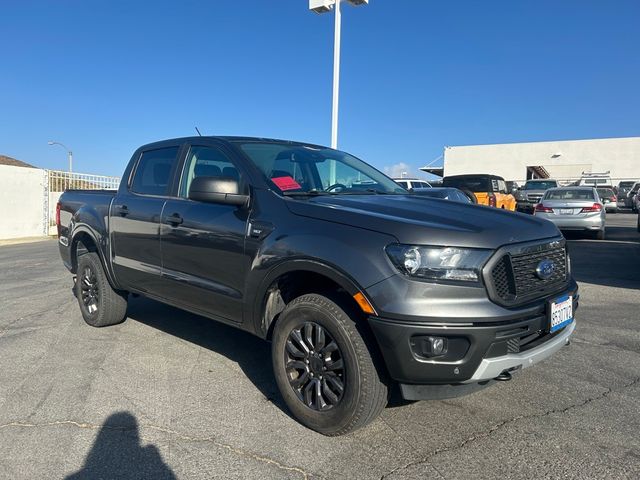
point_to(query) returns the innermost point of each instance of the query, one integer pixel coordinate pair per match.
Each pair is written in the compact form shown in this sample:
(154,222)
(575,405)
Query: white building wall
(619,156)
(22,191)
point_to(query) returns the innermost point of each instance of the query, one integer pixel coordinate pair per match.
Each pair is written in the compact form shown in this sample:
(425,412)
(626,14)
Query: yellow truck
(490,190)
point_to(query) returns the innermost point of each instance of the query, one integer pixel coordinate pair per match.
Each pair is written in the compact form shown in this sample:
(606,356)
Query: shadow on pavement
(614,262)
(118,453)
(252,354)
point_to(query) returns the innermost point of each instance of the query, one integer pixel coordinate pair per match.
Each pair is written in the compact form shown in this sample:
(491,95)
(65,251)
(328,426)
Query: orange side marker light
(365,306)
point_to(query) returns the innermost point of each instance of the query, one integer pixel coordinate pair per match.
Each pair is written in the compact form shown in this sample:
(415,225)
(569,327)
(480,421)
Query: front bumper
(490,368)
(481,347)
(525,206)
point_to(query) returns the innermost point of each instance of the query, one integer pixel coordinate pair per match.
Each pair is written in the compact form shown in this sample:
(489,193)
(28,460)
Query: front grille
(513,278)
(533,197)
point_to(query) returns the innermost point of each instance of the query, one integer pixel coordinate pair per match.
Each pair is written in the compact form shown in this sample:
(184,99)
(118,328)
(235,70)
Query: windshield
(626,184)
(539,185)
(569,194)
(605,192)
(300,169)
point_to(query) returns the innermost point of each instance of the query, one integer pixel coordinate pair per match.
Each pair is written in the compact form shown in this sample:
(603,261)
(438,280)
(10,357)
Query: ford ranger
(358,284)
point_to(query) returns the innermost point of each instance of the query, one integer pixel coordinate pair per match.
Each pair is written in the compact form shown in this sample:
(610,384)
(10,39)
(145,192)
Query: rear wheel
(600,234)
(324,368)
(100,304)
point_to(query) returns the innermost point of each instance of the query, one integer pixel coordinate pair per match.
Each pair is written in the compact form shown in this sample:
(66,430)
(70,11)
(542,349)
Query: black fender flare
(332,272)
(84,229)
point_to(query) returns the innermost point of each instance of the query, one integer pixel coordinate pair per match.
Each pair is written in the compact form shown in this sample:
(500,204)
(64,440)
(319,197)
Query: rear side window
(153,171)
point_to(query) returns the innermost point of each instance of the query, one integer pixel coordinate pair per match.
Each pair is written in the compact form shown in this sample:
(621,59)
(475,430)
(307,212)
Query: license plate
(561,313)
(566,211)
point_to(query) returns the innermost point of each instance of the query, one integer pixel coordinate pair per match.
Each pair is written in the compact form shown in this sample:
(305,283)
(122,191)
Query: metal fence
(60,181)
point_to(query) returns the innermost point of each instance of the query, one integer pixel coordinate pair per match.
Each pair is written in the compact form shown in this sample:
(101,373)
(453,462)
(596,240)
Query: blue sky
(104,77)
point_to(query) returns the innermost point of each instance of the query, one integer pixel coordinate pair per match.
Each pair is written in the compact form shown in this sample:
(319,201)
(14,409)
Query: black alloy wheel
(326,364)
(315,366)
(89,290)
(100,304)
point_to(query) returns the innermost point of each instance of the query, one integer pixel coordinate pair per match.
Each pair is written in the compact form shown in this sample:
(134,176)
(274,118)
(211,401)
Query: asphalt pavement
(170,395)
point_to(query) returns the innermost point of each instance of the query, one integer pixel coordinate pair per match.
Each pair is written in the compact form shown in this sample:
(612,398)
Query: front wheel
(100,304)
(325,369)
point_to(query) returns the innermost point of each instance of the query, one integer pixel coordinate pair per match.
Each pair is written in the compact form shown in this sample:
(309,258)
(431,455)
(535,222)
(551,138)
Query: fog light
(434,346)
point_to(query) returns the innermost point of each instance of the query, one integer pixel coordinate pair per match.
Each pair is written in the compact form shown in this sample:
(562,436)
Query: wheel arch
(295,278)
(83,241)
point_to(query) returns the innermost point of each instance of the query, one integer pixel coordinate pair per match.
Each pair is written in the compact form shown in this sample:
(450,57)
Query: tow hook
(503,377)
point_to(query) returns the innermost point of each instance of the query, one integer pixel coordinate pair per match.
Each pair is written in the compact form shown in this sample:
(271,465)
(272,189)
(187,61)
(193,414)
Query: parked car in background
(512,187)
(630,200)
(595,180)
(531,193)
(489,190)
(446,193)
(412,183)
(574,208)
(623,189)
(608,198)
(358,284)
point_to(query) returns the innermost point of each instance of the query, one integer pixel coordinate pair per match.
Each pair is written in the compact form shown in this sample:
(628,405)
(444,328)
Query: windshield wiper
(310,193)
(368,191)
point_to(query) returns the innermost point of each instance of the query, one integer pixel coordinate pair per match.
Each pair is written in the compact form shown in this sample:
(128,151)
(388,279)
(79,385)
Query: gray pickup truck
(358,283)
(531,193)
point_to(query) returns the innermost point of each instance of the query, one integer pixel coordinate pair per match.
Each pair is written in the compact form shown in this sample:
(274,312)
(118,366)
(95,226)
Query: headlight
(439,263)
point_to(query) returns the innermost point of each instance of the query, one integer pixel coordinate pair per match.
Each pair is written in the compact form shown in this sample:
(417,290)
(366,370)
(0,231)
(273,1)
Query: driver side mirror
(223,190)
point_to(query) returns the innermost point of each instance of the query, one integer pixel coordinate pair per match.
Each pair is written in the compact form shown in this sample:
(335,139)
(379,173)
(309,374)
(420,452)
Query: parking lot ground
(168,394)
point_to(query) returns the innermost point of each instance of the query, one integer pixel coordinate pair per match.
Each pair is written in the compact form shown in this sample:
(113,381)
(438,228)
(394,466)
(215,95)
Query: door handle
(122,210)
(174,220)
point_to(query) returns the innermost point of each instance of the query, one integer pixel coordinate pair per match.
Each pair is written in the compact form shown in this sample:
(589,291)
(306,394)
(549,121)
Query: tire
(471,195)
(364,392)
(100,304)
(600,234)
(638,227)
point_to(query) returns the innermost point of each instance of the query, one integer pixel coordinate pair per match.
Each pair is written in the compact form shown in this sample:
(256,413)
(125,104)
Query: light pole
(324,6)
(69,153)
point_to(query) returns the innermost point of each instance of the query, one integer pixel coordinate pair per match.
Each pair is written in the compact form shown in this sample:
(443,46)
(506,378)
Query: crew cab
(357,283)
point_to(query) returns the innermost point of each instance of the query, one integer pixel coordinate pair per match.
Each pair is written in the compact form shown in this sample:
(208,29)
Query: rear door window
(206,161)
(153,171)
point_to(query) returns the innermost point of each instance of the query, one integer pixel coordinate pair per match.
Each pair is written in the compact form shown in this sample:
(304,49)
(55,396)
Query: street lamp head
(321,6)
(324,6)
(51,142)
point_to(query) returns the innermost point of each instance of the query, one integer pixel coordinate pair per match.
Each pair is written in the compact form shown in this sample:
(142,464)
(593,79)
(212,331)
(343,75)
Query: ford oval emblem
(545,269)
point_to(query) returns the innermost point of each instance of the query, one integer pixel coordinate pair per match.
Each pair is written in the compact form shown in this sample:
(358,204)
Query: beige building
(562,160)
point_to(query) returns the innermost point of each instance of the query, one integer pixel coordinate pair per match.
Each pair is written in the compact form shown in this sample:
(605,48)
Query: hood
(414,219)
